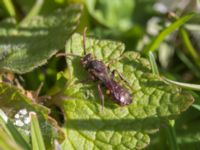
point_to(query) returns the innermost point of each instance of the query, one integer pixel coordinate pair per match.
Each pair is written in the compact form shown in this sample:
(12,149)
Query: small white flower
(23,111)
(26,132)
(160,7)
(17,116)
(153,26)
(27,120)
(19,123)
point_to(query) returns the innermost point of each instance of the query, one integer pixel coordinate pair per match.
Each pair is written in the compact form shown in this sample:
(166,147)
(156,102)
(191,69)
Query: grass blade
(153,45)
(171,134)
(196,106)
(189,47)
(154,66)
(9,7)
(34,11)
(7,143)
(36,135)
(188,63)
(184,85)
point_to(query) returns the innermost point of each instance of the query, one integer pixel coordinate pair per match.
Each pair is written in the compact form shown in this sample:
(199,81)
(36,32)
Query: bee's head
(86,59)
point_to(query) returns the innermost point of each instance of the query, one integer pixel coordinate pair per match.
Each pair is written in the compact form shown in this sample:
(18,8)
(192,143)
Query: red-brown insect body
(98,71)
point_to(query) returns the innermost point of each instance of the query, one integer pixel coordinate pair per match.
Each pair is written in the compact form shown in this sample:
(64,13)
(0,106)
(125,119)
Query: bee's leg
(101,95)
(115,71)
(122,78)
(89,79)
(66,55)
(84,40)
(120,75)
(39,89)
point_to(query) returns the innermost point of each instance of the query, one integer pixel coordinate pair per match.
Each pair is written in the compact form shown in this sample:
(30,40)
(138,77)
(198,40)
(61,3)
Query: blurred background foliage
(134,22)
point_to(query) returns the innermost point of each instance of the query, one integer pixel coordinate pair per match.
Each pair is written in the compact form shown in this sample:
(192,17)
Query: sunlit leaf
(88,127)
(25,47)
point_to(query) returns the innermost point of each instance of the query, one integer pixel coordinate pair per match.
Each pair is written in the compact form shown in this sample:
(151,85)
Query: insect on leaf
(116,127)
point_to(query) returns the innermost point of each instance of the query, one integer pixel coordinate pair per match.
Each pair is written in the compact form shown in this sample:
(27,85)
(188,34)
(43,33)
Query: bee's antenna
(84,39)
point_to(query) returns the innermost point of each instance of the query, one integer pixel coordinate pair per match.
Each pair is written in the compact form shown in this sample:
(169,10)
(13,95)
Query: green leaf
(30,45)
(153,45)
(88,127)
(112,13)
(36,135)
(12,100)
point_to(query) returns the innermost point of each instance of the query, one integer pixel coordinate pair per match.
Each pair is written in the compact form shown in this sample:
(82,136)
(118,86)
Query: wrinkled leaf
(88,127)
(25,47)
(12,100)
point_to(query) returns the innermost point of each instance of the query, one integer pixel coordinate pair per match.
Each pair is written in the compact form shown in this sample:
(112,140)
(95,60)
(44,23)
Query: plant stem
(154,66)
(184,85)
(191,50)
(171,134)
(34,11)
(9,7)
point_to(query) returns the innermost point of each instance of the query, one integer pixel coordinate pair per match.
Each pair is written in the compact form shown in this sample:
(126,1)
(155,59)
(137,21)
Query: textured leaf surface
(12,100)
(25,47)
(154,101)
